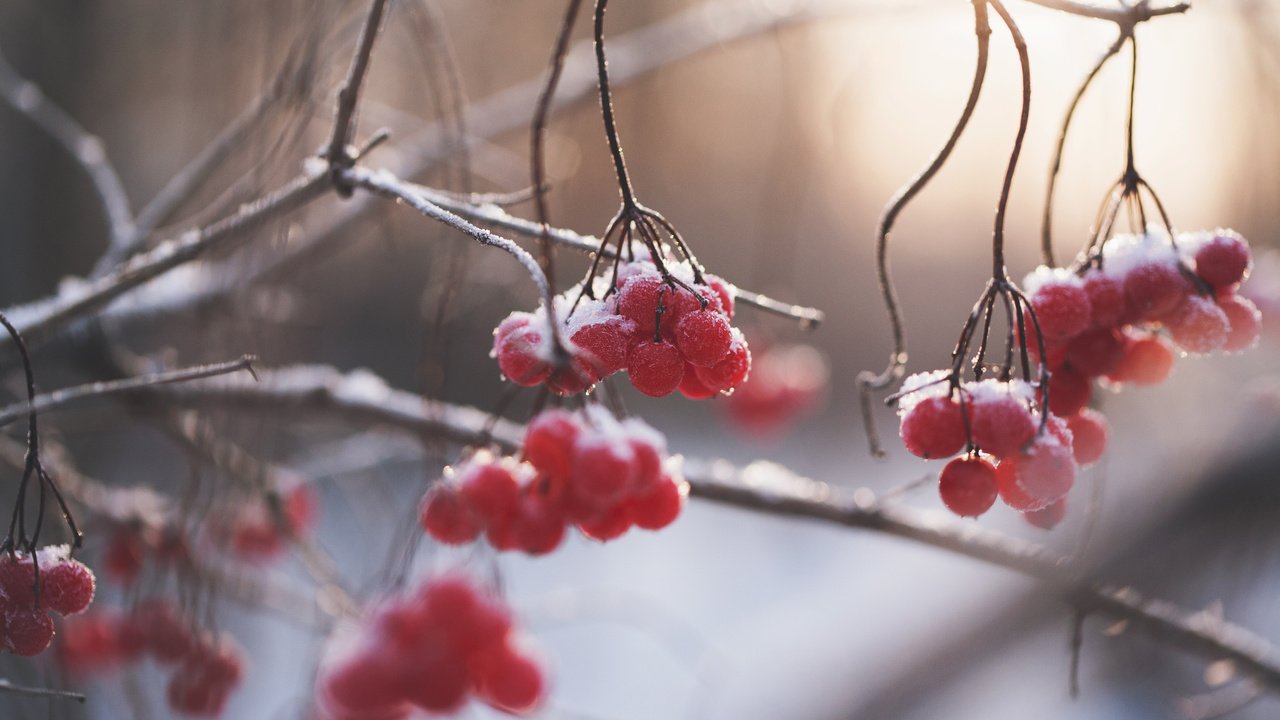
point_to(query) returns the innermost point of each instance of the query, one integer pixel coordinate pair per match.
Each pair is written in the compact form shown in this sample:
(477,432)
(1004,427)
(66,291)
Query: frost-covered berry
(655,368)
(521,356)
(67,587)
(603,346)
(1096,352)
(1089,432)
(724,291)
(1108,304)
(1245,323)
(1155,289)
(732,370)
(539,525)
(1069,391)
(1048,517)
(447,517)
(489,489)
(704,337)
(1223,260)
(1046,469)
(999,423)
(1198,325)
(548,442)
(692,387)
(28,631)
(638,302)
(934,428)
(603,469)
(968,486)
(660,505)
(1061,308)
(1145,360)
(611,524)
(512,682)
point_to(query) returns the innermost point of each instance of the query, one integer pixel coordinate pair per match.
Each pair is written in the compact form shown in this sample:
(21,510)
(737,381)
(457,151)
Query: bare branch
(85,148)
(6,686)
(349,96)
(39,320)
(1125,15)
(69,396)
(364,399)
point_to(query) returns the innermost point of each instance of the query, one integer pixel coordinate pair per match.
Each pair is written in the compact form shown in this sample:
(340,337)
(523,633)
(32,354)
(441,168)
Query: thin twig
(363,399)
(59,399)
(40,320)
(344,122)
(6,686)
(387,185)
(1119,14)
(870,381)
(85,148)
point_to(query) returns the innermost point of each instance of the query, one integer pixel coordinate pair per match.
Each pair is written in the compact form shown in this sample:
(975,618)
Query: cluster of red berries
(1110,322)
(131,543)
(66,588)
(1012,450)
(254,534)
(428,651)
(587,469)
(786,383)
(206,667)
(666,337)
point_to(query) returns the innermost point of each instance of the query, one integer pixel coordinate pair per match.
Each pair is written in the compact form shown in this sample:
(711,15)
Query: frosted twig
(9,687)
(1117,13)
(364,399)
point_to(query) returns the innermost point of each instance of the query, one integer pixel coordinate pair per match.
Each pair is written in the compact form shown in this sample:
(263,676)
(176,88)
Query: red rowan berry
(1224,260)
(655,368)
(934,428)
(968,486)
(1089,433)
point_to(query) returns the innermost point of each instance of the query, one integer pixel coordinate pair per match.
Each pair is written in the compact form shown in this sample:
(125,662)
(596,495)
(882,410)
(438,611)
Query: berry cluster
(587,469)
(66,587)
(254,533)
(1109,320)
(427,651)
(787,382)
(206,668)
(665,336)
(1013,450)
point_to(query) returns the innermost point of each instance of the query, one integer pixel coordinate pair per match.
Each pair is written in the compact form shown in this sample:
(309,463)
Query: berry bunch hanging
(428,651)
(65,587)
(206,667)
(586,469)
(666,334)
(787,382)
(256,532)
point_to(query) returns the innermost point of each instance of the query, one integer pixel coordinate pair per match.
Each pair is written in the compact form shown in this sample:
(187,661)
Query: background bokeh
(774,155)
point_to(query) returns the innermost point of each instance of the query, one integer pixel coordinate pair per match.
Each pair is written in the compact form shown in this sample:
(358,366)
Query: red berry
(447,517)
(604,469)
(1046,470)
(650,447)
(1198,325)
(660,506)
(724,291)
(1155,289)
(638,302)
(1089,433)
(1062,310)
(539,525)
(1145,361)
(88,644)
(520,357)
(1224,260)
(511,323)
(611,524)
(1049,516)
(934,428)
(704,337)
(1245,322)
(67,587)
(167,637)
(548,442)
(1069,391)
(512,682)
(367,685)
(731,371)
(603,346)
(1011,491)
(124,556)
(1108,304)
(17,580)
(968,486)
(692,387)
(27,631)
(1000,424)
(489,490)
(1096,352)
(655,368)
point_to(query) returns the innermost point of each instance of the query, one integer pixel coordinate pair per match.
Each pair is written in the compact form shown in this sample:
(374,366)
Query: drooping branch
(363,399)
(1121,14)
(85,148)
(59,399)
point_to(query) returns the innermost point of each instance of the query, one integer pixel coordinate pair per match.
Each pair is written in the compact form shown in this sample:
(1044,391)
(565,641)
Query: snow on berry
(428,650)
(656,328)
(66,587)
(582,468)
(1061,304)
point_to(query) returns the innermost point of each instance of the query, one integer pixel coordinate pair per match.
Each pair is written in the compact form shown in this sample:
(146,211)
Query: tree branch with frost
(363,399)
(1125,14)
(83,147)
